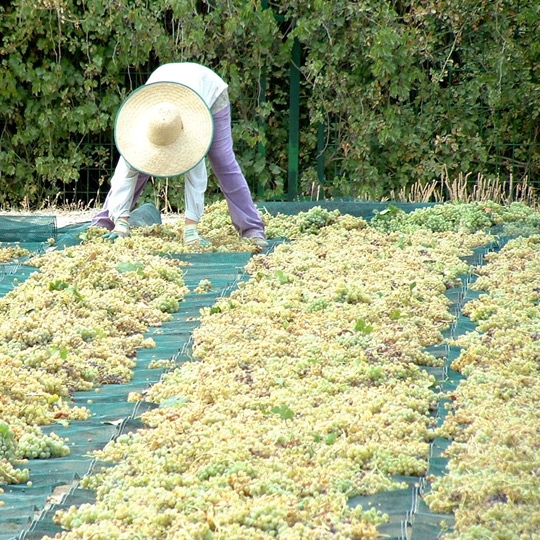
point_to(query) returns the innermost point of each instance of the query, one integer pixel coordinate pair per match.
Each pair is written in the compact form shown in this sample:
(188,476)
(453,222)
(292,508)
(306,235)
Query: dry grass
(464,188)
(467,189)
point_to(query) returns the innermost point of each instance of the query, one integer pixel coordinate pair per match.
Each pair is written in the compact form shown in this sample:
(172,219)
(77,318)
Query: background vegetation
(392,94)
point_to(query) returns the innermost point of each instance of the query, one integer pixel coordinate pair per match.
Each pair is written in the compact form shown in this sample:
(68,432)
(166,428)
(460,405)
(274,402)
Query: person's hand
(121,230)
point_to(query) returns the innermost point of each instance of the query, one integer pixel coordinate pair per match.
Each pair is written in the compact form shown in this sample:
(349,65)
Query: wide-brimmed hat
(163,129)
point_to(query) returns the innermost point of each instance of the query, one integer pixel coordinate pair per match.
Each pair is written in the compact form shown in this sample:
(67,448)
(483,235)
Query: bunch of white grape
(8,253)
(491,480)
(468,217)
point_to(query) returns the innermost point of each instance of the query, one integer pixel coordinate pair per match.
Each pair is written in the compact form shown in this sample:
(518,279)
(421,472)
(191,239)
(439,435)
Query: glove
(121,229)
(191,236)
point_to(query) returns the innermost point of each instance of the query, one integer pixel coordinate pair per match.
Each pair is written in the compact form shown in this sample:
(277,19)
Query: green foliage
(406,91)
(410,91)
(362,327)
(282,277)
(124,267)
(284,412)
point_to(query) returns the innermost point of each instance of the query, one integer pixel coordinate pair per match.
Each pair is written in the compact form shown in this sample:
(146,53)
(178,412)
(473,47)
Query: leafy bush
(410,91)
(405,91)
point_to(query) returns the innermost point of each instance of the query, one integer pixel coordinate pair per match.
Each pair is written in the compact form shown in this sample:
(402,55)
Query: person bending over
(166,128)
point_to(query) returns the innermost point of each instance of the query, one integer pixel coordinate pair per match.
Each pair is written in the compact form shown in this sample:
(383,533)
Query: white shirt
(203,80)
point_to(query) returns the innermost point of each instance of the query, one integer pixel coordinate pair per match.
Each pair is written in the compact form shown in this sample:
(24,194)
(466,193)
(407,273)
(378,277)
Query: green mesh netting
(28,512)
(27,228)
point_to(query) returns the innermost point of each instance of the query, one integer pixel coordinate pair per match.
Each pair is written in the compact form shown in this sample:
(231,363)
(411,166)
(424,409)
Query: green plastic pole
(320,151)
(261,148)
(294,122)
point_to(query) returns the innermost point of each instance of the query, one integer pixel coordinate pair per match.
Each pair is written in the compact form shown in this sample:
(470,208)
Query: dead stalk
(462,189)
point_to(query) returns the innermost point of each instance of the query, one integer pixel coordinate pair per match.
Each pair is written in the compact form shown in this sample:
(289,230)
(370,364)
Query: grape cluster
(454,217)
(310,222)
(493,420)
(204,286)
(166,303)
(33,444)
(316,218)
(11,475)
(7,442)
(11,252)
(9,456)
(286,414)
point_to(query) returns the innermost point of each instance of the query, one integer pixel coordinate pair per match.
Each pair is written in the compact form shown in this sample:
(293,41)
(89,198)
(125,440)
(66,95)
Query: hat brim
(191,146)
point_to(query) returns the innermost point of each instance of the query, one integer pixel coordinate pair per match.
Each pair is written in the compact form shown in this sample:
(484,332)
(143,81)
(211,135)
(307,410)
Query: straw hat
(163,129)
